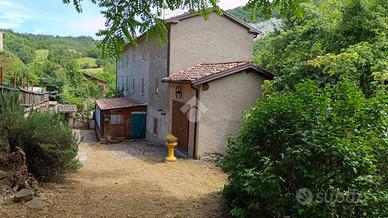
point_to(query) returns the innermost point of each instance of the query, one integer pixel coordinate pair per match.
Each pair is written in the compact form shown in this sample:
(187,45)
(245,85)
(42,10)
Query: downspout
(195,153)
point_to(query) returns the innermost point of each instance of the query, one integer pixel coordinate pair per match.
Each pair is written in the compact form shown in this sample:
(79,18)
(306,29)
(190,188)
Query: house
(197,84)
(102,83)
(120,119)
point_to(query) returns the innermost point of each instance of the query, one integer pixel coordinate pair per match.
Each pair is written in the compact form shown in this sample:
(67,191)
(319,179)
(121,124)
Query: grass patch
(41,54)
(93,70)
(87,63)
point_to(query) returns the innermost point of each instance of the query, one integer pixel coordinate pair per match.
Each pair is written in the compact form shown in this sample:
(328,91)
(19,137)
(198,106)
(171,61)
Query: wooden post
(14,79)
(2,75)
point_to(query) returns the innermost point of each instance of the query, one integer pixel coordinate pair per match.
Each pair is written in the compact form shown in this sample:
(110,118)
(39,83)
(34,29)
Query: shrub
(170,138)
(49,143)
(327,140)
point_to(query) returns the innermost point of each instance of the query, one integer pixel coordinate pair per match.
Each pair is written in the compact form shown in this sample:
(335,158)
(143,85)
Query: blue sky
(52,17)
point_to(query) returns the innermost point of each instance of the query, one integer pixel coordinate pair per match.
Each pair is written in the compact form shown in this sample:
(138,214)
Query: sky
(52,17)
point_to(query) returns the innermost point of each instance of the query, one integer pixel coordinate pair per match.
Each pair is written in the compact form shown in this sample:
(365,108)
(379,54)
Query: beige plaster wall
(194,41)
(225,99)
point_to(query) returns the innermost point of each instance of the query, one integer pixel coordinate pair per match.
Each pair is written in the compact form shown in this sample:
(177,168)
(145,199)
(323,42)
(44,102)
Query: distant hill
(263,25)
(30,47)
(244,15)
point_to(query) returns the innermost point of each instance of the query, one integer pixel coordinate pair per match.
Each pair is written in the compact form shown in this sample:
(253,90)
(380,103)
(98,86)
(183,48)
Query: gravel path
(130,180)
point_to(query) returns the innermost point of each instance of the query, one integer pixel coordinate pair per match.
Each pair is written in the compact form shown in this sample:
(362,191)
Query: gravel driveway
(130,180)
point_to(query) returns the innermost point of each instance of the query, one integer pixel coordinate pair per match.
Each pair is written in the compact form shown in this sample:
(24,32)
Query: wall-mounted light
(178,92)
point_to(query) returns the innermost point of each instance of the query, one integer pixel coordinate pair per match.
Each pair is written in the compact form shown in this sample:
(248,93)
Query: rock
(24,195)
(5,182)
(35,203)
(3,174)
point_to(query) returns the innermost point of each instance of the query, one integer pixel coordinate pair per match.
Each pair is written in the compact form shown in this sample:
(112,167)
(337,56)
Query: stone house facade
(205,65)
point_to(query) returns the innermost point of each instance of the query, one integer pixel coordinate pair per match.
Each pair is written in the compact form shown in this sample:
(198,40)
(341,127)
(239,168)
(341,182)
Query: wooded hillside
(57,63)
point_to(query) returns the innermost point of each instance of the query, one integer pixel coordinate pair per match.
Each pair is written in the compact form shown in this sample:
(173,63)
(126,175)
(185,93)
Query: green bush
(49,143)
(328,140)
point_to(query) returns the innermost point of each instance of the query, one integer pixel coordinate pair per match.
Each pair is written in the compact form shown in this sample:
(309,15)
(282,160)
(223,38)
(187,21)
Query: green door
(138,125)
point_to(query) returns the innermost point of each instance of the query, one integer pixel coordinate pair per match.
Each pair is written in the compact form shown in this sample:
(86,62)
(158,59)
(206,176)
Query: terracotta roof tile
(202,71)
(115,103)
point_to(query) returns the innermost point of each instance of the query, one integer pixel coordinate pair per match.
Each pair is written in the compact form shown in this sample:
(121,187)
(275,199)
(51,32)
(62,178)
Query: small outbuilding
(120,119)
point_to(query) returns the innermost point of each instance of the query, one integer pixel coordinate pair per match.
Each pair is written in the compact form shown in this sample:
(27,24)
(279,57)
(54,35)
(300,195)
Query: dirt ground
(130,180)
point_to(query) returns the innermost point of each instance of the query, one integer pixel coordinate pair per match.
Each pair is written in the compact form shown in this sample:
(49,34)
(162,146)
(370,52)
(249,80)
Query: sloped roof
(202,73)
(116,103)
(94,78)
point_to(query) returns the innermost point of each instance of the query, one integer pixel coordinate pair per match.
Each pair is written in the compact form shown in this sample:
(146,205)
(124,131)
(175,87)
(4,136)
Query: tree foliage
(350,41)
(329,140)
(58,71)
(323,123)
(49,144)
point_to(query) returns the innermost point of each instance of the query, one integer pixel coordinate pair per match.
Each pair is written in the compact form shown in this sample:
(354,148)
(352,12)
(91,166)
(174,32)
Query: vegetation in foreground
(322,126)
(49,144)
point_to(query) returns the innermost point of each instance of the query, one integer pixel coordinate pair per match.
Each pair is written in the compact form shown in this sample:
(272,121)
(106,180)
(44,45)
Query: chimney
(1,42)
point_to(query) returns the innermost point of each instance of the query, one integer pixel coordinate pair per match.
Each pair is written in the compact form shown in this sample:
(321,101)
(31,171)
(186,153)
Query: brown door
(180,126)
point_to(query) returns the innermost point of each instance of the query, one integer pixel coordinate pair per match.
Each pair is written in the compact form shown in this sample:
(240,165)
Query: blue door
(138,125)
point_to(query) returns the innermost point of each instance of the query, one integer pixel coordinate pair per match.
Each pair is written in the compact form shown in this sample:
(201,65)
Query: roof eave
(262,71)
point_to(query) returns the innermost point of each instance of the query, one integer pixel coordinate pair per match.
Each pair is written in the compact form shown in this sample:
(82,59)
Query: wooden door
(138,125)
(180,126)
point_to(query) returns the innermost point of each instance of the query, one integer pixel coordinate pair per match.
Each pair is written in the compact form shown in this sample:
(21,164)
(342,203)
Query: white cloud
(88,25)
(14,15)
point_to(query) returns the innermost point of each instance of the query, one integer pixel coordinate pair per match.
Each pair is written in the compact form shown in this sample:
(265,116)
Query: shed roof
(116,103)
(202,73)
(66,108)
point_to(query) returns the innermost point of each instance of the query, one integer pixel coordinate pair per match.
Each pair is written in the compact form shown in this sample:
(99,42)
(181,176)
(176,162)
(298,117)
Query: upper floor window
(157,87)
(133,85)
(142,86)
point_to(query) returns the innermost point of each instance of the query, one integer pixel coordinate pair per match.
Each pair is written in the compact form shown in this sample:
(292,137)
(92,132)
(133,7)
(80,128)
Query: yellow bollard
(171,157)
(171,143)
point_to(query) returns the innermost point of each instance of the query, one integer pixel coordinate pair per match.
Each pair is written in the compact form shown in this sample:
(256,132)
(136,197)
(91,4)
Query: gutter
(195,153)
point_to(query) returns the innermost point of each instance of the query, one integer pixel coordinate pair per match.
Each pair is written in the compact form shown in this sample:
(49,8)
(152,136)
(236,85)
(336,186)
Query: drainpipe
(196,123)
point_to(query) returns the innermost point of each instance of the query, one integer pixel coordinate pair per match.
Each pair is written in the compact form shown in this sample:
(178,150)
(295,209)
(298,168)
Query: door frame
(187,132)
(130,121)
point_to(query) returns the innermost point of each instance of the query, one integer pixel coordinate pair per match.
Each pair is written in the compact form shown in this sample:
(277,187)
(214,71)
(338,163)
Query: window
(116,119)
(133,85)
(142,86)
(157,87)
(155,126)
(127,84)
